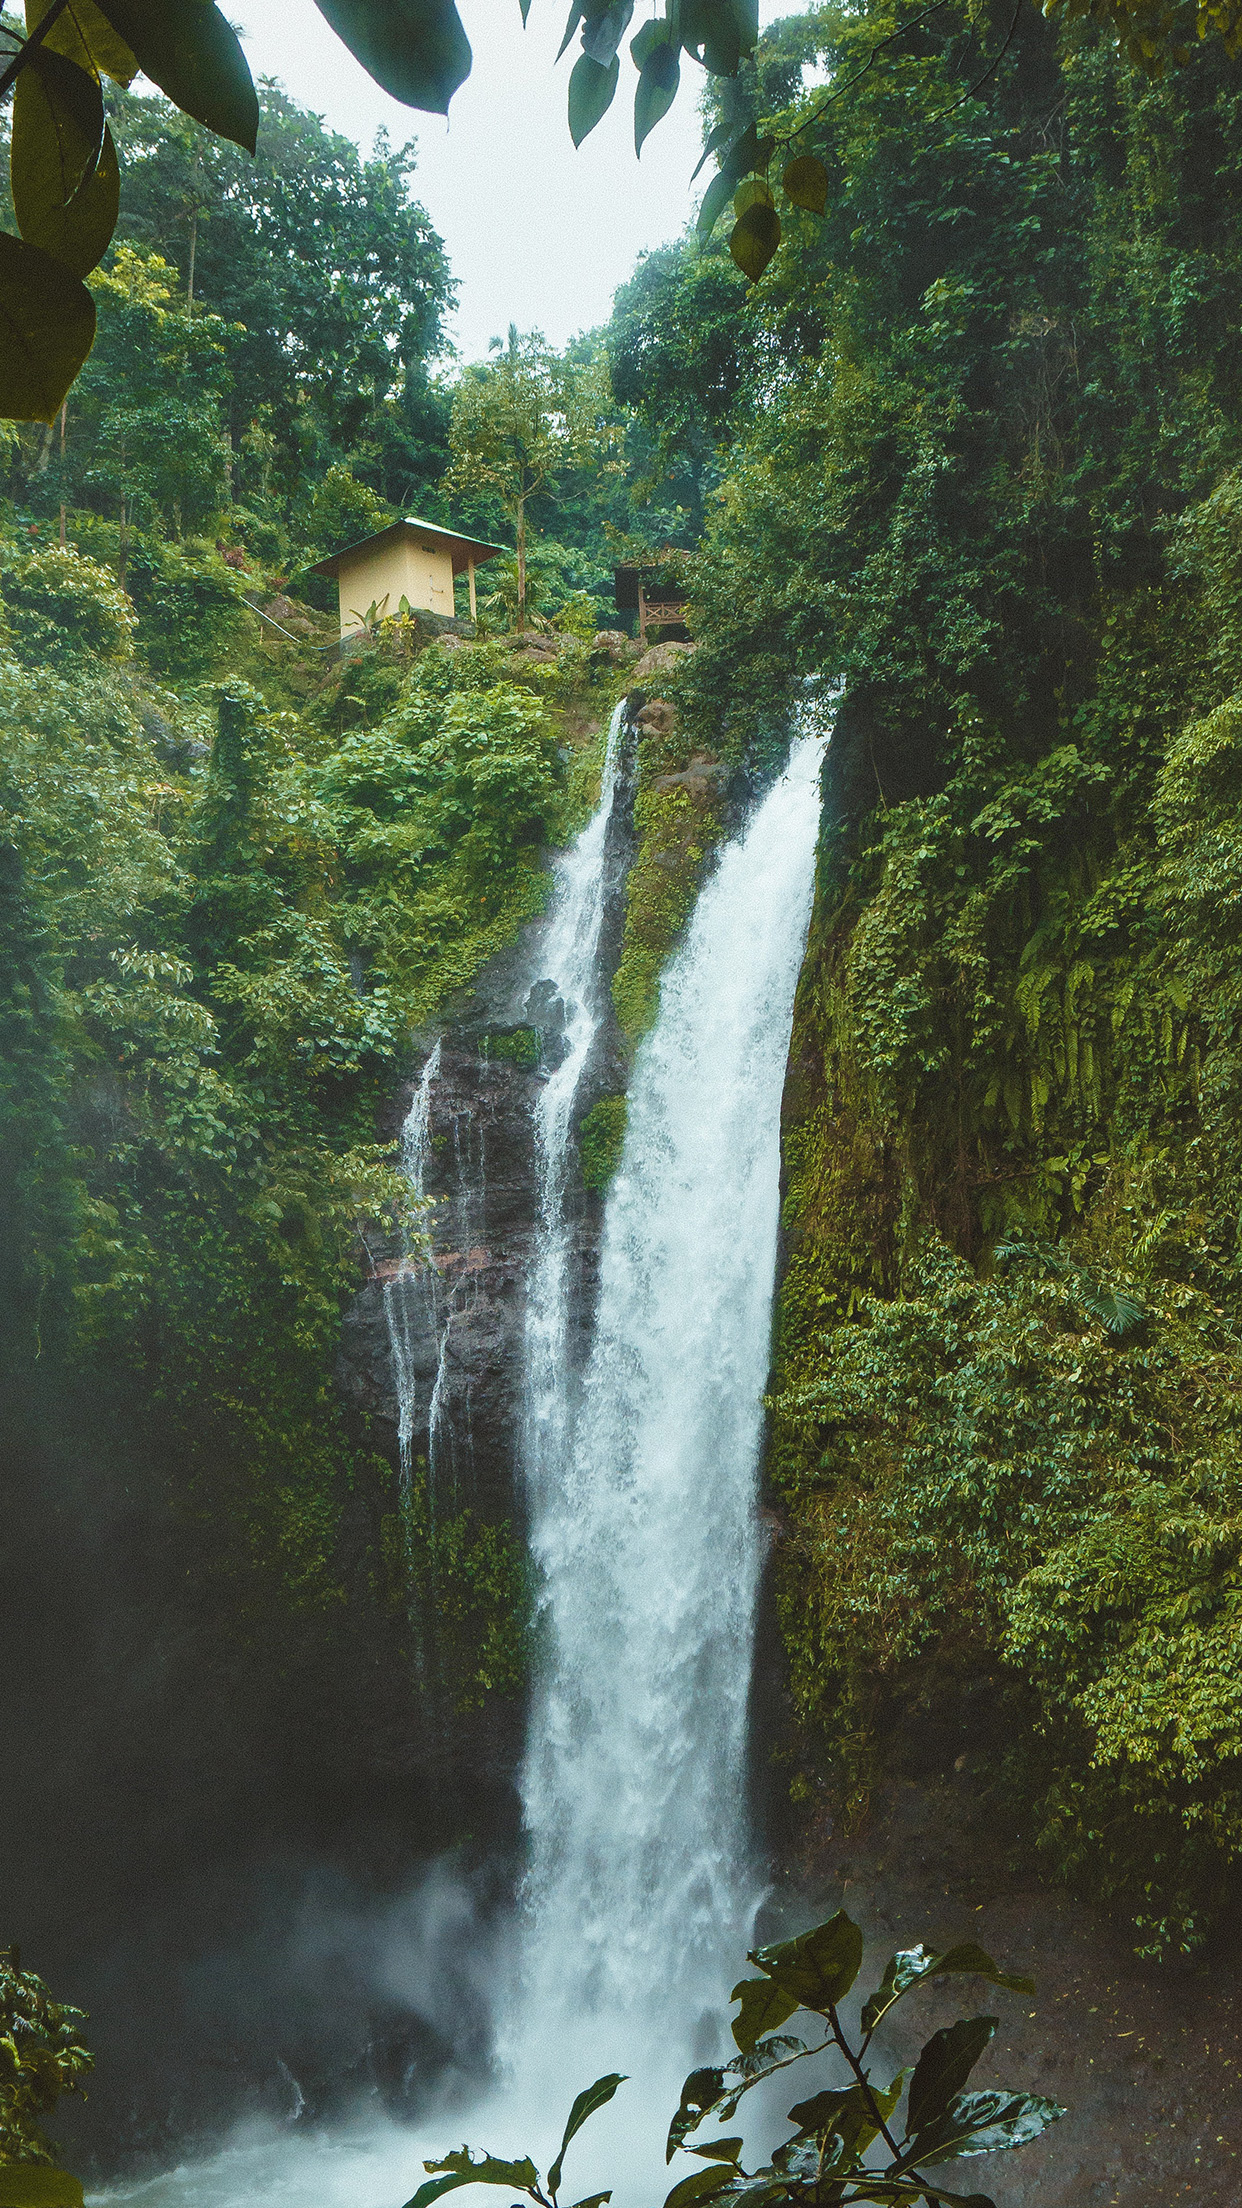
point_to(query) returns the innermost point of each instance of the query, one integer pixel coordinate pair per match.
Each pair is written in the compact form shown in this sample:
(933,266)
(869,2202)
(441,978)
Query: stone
(613,645)
(660,660)
(703,778)
(657,717)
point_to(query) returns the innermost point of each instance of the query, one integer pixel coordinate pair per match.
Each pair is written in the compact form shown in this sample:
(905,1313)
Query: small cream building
(413,560)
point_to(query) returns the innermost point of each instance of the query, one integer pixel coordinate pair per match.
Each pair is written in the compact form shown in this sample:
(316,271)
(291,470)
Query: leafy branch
(824,2164)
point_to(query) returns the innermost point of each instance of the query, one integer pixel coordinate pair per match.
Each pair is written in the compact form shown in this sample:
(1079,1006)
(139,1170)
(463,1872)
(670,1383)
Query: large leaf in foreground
(984,2123)
(192,52)
(47,328)
(818,1967)
(718,2092)
(943,2068)
(83,33)
(592,2097)
(78,235)
(462,2169)
(911,1965)
(416,49)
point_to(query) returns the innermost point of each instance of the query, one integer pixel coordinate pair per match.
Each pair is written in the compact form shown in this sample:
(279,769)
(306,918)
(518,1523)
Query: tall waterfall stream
(641,1476)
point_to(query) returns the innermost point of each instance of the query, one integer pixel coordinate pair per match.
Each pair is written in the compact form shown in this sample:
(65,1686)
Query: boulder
(703,777)
(660,660)
(613,645)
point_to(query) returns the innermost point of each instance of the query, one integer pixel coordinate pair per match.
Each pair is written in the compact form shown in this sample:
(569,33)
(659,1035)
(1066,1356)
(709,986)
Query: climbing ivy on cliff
(980,457)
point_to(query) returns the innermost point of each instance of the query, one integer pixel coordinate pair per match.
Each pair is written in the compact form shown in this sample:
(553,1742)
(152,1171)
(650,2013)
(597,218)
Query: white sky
(536,233)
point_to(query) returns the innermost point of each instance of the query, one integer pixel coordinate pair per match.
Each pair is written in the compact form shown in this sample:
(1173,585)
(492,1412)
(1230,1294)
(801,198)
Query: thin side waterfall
(413,1293)
(569,954)
(643,1511)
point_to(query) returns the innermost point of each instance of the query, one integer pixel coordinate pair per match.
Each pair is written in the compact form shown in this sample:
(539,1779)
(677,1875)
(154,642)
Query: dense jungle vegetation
(982,470)
(971,454)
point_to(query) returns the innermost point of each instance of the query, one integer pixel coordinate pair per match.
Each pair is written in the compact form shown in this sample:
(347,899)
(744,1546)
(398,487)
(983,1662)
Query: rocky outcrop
(451,1330)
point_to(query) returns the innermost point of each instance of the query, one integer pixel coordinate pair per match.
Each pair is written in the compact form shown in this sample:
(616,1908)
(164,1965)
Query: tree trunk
(189,289)
(521,566)
(64,416)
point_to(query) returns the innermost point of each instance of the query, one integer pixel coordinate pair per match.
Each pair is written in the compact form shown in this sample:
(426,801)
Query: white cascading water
(569,955)
(643,1518)
(414,1292)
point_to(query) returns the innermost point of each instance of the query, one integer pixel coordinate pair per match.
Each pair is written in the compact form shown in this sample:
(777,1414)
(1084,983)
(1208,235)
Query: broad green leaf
(753,191)
(604,25)
(754,239)
(720,2150)
(433,2189)
(78,235)
(701,2185)
(657,54)
(805,182)
(192,52)
(591,90)
(719,32)
(912,1965)
(519,2176)
(748,152)
(416,49)
(592,2097)
(717,138)
(488,2170)
(984,2123)
(718,2092)
(821,2113)
(58,126)
(820,1965)
(47,328)
(576,13)
(699,2096)
(943,2068)
(715,199)
(764,2005)
(850,2113)
(83,34)
(34,2185)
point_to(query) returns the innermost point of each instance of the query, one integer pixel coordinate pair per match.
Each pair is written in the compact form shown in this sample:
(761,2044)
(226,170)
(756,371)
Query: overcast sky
(536,233)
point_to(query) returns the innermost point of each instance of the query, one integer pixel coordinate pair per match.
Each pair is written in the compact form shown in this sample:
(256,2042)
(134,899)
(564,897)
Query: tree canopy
(64,158)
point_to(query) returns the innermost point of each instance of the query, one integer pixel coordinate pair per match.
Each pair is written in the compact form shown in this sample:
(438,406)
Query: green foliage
(832,2151)
(59,605)
(520,422)
(519,1045)
(41,2057)
(676,823)
(212,979)
(601,1137)
(998,502)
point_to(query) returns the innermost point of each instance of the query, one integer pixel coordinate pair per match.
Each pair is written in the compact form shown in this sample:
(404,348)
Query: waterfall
(643,1506)
(414,1291)
(641,1488)
(569,955)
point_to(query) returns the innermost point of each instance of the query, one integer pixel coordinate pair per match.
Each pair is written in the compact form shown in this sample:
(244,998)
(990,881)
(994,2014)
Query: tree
(332,269)
(151,401)
(66,187)
(520,420)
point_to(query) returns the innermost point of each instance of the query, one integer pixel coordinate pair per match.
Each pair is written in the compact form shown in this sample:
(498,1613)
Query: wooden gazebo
(647,592)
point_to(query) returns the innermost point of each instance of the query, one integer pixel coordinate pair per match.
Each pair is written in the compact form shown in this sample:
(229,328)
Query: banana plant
(858,2138)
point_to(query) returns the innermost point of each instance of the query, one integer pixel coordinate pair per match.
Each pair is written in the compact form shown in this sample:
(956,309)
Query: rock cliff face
(461,1318)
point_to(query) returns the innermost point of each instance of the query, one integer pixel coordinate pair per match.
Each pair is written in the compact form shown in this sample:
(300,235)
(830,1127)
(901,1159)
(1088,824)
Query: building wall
(389,572)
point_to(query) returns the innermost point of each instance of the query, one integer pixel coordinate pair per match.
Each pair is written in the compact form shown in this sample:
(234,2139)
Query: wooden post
(642,613)
(474,610)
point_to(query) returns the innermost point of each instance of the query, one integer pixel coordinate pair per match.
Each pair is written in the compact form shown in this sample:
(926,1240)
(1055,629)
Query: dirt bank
(1147,2059)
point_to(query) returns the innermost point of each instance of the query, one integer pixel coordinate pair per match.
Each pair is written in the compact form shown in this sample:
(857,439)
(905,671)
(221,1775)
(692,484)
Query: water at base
(637,1904)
